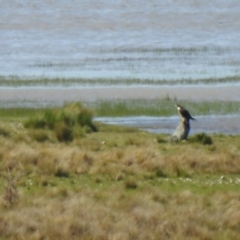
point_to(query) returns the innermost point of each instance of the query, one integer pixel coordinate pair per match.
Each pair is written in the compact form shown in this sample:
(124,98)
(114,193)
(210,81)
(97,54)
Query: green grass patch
(19,113)
(163,107)
(64,121)
(129,107)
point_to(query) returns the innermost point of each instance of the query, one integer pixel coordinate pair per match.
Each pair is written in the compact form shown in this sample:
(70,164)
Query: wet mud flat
(59,95)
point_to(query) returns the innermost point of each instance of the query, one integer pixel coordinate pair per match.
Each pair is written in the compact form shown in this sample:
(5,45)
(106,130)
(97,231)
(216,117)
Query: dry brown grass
(119,183)
(115,214)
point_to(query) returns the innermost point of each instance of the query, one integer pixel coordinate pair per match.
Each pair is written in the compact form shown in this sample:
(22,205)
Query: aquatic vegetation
(188,50)
(16,81)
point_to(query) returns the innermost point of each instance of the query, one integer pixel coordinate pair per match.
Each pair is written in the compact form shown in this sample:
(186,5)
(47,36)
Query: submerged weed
(17,81)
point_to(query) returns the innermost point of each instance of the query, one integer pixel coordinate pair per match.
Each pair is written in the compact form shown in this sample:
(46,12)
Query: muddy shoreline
(60,95)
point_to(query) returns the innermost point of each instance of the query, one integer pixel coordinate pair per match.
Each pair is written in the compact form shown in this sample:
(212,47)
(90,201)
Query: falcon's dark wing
(184,113)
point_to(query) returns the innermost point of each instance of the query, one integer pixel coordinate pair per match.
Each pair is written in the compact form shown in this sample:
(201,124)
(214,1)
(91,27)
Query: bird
(183,129)
(186,116)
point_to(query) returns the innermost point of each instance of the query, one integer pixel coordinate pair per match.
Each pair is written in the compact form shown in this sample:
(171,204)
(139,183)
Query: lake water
(167,39)
(224,124)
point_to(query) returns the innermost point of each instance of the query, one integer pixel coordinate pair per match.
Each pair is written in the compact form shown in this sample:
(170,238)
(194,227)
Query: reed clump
(65,122)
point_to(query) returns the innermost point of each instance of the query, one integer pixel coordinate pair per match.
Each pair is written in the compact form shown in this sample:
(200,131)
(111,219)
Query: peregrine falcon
(184,113)
(183,128)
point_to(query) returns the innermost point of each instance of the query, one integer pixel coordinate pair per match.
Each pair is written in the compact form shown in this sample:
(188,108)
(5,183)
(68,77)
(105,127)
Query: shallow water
(168,39)
(222,124)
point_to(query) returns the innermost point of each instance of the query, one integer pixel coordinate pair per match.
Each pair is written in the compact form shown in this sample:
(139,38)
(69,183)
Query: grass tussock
(10,195)
(40,135)
(116,183)
(73,120)
(131,183)
(202,138)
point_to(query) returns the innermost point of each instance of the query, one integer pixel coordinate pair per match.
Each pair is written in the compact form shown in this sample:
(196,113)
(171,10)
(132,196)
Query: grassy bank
(163,107)
(133,107)
(114,182)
